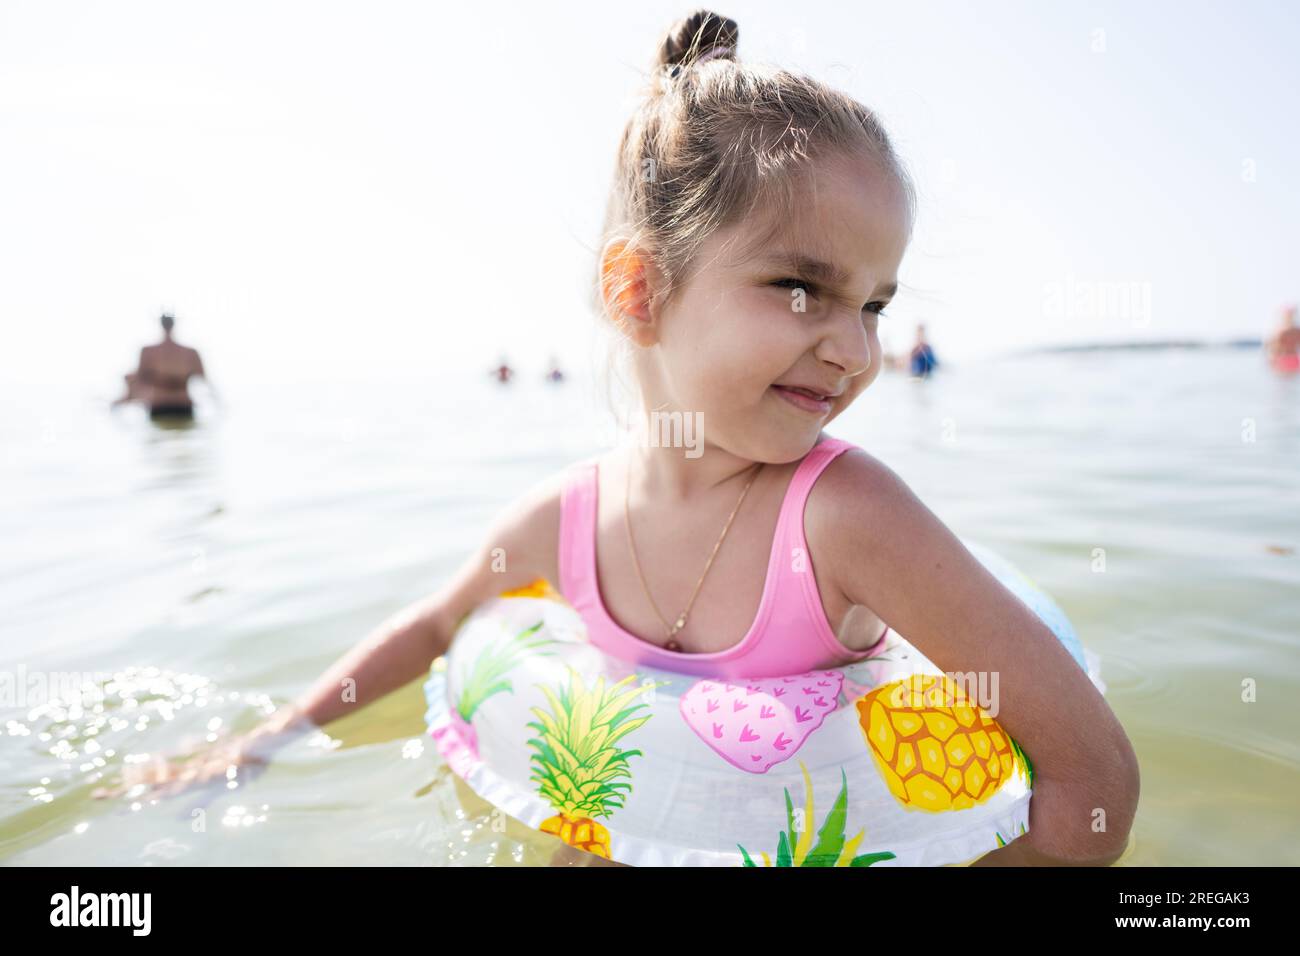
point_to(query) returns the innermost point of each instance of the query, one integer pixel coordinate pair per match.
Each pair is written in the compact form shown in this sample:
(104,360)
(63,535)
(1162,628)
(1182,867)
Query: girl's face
(801,312)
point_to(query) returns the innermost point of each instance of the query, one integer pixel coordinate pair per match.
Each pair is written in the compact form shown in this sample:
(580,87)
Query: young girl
(752,241)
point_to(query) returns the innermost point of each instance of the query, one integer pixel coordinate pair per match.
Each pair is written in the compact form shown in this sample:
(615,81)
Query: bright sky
(323,189)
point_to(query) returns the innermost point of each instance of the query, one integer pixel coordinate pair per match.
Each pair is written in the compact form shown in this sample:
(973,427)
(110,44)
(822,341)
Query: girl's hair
(715,139)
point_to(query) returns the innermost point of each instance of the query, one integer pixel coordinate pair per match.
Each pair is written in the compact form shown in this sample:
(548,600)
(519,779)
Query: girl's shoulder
(851,471)
(531,522)
(524,532)
(850,475)
(854,490)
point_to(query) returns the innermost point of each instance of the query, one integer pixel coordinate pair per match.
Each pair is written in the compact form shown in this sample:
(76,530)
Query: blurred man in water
(162,376)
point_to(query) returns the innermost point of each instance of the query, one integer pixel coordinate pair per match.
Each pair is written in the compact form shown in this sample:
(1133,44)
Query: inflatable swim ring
(887,761)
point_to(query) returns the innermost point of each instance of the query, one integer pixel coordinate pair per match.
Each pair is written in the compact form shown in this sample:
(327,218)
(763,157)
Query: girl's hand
(250,752)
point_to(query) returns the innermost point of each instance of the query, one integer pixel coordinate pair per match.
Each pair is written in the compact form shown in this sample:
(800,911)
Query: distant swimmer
(923,360)
(554,375)
(162,375)
(1283,346)
(503,372)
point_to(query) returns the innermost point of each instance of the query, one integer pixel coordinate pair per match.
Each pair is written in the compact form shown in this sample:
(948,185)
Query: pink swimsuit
(790,633)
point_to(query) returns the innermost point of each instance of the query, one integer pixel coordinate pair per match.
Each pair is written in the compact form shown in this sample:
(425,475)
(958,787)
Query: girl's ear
(625,289)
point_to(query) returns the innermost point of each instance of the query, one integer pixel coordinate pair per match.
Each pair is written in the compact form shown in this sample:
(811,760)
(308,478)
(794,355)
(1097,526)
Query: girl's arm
(518,547)
(890,553)
(513,552)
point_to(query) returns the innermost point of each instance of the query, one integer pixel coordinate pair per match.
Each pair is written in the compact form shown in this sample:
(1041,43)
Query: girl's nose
(848,345)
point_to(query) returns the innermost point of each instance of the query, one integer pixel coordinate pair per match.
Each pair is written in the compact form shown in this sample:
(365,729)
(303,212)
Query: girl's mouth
(801,398)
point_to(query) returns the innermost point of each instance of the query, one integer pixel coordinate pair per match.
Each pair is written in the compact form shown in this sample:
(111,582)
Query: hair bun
(702,35)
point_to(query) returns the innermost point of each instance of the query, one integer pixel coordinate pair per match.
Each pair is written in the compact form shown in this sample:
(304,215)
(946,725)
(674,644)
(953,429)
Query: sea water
(199,575)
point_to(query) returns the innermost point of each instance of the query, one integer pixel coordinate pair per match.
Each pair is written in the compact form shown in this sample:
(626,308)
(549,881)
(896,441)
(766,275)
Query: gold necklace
(681,620)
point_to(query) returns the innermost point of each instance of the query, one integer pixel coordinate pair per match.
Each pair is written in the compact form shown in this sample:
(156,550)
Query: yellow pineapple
(936,749)
(578,769)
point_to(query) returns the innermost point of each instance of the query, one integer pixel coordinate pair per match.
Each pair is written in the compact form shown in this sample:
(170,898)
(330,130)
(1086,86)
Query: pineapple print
(577,766)
(490,671)
(831,849)
(489,675)
(935,749)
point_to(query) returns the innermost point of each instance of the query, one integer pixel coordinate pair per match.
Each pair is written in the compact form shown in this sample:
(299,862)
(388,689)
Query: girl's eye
(796,284)
(877,308)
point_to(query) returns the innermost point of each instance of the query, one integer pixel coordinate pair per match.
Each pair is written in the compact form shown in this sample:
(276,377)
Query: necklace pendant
(681,623)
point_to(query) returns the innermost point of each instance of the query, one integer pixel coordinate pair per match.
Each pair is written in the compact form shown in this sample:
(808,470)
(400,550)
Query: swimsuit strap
(797,627)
